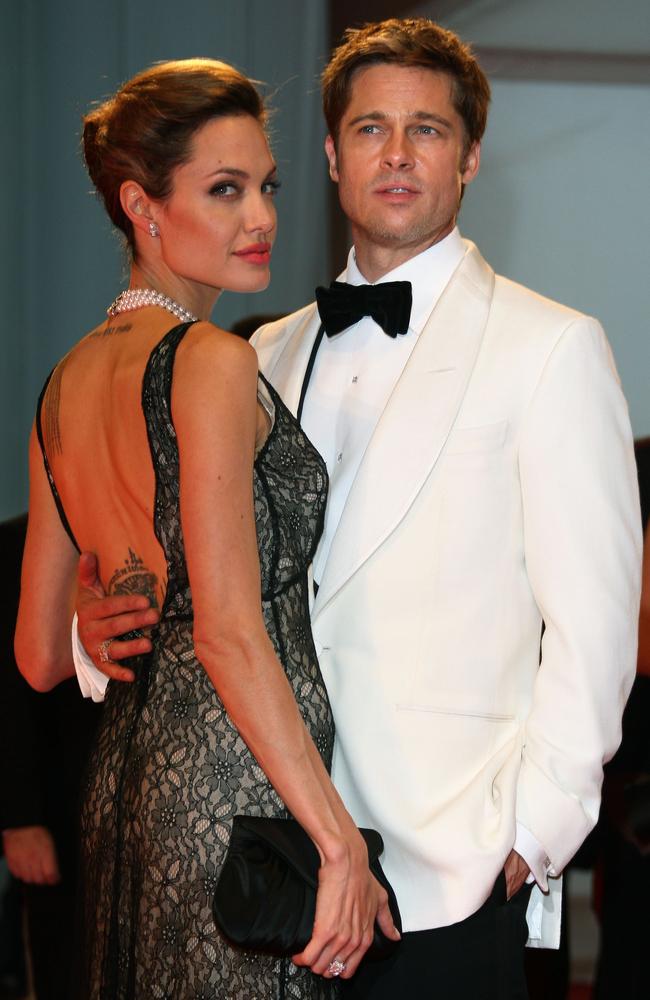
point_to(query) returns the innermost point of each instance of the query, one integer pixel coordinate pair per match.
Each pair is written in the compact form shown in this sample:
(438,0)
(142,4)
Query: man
(482,492)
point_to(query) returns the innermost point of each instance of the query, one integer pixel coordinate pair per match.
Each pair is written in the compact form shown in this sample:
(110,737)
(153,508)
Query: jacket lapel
(414,425)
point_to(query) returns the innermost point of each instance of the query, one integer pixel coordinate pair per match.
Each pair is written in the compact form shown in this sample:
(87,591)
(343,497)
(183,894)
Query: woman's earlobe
(135,204)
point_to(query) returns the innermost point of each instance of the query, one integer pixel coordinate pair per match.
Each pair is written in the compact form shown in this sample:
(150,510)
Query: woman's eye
(224,190)
(271,187)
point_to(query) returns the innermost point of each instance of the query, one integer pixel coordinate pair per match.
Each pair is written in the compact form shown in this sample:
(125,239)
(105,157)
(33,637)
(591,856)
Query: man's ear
(137,206)
(330,153)
(471,163)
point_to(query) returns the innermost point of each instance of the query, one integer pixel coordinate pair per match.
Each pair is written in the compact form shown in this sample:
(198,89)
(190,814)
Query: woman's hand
(348,903)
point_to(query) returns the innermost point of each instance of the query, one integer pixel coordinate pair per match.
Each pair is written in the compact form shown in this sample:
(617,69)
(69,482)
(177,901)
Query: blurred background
(560,204)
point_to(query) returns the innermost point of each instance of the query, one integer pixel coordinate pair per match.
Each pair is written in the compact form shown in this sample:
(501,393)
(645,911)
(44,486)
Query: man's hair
(412,41)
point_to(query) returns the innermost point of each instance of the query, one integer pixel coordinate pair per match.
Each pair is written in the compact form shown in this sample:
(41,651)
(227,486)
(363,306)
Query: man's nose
(398,152)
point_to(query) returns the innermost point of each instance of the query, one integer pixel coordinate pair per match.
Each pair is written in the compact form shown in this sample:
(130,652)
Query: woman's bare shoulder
(81,353)
(206,347)
(214,369)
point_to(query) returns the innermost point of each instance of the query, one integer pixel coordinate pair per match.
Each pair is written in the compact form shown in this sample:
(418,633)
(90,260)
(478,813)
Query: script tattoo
(110,329)
(50,412)
(134,578)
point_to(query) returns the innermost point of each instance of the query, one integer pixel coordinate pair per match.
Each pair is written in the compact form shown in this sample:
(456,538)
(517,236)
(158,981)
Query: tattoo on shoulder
(50,424)
(134,578)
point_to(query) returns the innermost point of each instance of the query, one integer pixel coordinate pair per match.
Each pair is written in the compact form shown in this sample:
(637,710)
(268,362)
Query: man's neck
(374,261)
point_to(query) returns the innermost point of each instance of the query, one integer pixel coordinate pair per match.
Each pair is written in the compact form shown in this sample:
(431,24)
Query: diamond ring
(336,967)
(103,651)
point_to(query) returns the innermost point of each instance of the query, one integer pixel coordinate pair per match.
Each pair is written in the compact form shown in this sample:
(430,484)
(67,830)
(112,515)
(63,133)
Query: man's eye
(369,129)
(427,130)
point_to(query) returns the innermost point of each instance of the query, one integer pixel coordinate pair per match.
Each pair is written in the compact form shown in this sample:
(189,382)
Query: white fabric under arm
(93,684)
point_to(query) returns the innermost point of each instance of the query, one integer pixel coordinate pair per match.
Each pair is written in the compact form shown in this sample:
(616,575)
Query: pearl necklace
(137,298)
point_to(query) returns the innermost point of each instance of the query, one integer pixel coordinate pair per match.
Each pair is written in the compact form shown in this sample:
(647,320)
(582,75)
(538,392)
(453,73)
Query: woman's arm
(47,589)
(215,412)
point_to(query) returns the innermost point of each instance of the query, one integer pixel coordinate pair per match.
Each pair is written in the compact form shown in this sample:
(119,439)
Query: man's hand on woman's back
(103,618)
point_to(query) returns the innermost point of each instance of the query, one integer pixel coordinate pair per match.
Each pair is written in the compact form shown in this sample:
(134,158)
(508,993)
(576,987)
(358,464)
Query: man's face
(400,160)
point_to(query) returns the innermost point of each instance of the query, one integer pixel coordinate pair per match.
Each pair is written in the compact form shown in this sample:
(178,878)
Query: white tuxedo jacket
(498,492)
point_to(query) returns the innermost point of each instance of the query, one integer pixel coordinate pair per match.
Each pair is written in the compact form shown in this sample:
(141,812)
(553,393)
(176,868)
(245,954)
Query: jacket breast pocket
(468,440)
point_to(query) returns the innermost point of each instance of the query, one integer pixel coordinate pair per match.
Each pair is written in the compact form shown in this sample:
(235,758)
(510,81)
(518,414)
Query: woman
(177,485)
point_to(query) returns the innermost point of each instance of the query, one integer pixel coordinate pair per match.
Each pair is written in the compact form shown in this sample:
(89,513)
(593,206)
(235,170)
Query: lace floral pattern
(170,770)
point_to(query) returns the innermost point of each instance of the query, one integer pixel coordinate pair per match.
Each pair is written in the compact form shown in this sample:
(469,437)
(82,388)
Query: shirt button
(355,378)
(339,457)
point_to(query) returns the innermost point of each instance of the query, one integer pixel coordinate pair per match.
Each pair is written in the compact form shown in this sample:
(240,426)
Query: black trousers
(479,958)
(623,966)
(50,922)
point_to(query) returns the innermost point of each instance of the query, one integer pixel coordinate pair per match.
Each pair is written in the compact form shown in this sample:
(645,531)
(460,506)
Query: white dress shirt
(356,370)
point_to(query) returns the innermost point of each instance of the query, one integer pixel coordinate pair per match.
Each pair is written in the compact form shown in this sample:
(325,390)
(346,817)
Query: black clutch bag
(265,899)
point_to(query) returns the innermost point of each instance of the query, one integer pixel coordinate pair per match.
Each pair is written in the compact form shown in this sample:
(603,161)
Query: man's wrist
(530,849)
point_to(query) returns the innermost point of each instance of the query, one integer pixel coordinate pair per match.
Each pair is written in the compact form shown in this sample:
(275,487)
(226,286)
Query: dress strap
(48,471)
(156,400)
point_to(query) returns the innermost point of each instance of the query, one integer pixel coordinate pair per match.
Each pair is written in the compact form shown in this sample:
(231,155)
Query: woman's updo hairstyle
(145,130)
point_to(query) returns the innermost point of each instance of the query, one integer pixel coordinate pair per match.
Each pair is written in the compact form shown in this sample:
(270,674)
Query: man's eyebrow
(432,116)
(380,116)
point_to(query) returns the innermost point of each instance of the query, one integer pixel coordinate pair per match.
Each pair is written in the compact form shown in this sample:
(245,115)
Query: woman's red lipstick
(255,253)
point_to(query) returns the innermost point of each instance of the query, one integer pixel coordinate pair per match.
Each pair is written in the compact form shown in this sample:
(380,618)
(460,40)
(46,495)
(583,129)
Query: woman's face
(218,225)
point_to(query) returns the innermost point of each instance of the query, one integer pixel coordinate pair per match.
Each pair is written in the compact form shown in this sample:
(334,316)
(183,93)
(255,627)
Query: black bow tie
(389,304)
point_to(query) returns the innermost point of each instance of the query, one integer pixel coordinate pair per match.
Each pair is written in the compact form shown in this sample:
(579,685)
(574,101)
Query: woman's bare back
(95,440)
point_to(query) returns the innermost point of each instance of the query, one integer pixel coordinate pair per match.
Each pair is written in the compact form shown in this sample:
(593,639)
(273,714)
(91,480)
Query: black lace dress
(170,770)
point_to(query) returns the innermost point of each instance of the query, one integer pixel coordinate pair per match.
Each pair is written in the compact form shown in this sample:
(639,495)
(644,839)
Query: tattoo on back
(50,413)
(52,402)
(110,328)
(134,578)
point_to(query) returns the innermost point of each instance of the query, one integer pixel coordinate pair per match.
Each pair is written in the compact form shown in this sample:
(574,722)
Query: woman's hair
(145,130)
(407,42)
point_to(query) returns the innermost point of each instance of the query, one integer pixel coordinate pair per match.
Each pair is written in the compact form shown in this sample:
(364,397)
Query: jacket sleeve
(582,539)
(22,791)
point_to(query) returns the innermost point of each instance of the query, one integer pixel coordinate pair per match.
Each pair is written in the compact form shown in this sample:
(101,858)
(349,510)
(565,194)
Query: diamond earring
(153,229)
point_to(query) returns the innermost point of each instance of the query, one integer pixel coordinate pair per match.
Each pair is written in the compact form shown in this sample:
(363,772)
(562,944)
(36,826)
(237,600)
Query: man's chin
(394,238)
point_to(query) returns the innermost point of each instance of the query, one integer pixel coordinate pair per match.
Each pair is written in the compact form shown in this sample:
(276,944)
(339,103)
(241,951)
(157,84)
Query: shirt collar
(428,272)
